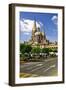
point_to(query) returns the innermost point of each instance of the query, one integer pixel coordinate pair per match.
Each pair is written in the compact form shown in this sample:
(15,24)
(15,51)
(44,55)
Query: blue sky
(46,21)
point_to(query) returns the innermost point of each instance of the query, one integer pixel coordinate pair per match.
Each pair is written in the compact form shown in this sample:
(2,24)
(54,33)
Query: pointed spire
(34,26)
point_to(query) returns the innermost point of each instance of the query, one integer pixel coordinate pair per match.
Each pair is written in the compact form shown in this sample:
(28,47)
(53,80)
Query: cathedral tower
(34,29)
(38,37)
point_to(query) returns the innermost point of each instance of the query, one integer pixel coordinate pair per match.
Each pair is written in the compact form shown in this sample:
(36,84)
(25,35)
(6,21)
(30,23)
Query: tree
(36,50)
(25,48)
(22,48)
(45,50)
(50,50)
(55,50)
(28,48)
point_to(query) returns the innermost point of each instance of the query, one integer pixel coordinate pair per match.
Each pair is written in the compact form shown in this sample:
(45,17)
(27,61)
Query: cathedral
(38,37)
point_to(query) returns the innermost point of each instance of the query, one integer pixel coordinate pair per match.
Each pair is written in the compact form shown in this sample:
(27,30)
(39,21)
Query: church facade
(39,38)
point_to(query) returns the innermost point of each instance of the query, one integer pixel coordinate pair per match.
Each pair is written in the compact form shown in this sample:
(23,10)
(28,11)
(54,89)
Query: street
(48,67)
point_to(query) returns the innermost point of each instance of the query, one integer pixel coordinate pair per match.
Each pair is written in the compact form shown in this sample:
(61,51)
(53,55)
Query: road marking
(53,66)
(29,64)
(50,68)
(34,66)
(49,59)
(39,64)
(43,67)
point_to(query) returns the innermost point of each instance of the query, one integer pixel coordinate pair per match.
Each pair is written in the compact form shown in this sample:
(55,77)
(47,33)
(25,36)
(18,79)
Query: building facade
(39,38)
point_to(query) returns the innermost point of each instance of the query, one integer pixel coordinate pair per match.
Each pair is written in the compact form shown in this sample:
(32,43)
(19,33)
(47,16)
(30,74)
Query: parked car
(53,53)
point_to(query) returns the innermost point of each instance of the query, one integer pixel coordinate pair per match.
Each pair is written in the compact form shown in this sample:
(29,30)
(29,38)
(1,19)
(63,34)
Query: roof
(39,33)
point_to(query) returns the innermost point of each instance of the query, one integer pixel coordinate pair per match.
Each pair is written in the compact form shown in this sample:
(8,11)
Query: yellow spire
(34,27)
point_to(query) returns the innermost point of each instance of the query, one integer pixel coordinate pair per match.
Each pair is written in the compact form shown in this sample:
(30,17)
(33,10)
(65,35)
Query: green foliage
(45,50)
(55,50)
(36,50)
(25,48)
(50,49)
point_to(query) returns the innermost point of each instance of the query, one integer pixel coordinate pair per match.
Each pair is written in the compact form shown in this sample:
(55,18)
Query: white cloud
(26,25)
(55,19)
(26,33)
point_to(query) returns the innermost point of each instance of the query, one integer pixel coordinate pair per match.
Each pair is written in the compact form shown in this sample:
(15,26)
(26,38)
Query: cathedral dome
(37,33)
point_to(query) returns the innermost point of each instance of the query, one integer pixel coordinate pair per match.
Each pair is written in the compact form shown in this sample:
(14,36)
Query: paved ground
(33,69)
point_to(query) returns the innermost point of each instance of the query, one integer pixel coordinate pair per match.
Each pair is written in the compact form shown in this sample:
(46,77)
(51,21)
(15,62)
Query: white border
(17,65)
